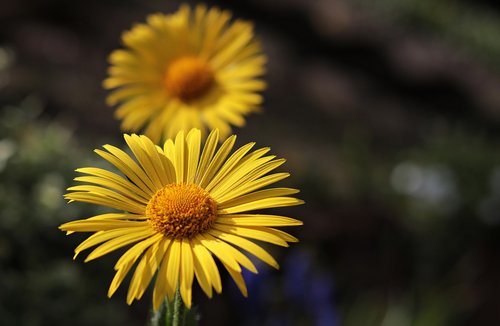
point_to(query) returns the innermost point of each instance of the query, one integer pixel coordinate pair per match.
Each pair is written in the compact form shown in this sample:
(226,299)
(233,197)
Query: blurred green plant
(39,284)
(473,28)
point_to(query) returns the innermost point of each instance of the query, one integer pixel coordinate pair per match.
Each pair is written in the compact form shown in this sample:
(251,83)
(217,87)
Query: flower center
(181,210)
(188,78)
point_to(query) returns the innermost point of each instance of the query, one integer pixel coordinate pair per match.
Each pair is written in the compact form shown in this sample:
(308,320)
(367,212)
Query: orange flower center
(181,210)
(188,78)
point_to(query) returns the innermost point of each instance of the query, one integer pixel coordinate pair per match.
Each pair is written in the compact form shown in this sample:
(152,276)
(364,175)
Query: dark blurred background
(388,112)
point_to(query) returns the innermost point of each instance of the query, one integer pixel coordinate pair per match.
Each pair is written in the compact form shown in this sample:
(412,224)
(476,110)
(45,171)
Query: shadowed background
(387,112)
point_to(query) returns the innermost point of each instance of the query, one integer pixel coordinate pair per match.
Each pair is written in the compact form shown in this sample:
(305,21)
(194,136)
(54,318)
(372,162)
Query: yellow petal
(147,268)
(207,154)
(141,275)
(187,272)
(194,143)
(257,195)
(217,161)
(244,187)
(134,143)
(243,174)
(134,252)
(247,85)
(208,264)
(217,21)
(119,276)
(262,204)
(249,162)
(247,245)
(99,225)
(253,233)
(202,276)
(161,286)
(119,242)
(130,172)
(100,199)
(173,268)
(138,202)
(180,161)
(164,168)
(104,174)
(232,41)
(237,255)
(169,150)
(118,216)
(103,236)
(214,122)
(283,235)
(238,279)
(122,189)
(229,165)
(220,251)
(125,159)
(257,220)
(124,93)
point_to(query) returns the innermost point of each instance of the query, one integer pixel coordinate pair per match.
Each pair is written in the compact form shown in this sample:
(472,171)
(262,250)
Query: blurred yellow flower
(183,208)
(191,69)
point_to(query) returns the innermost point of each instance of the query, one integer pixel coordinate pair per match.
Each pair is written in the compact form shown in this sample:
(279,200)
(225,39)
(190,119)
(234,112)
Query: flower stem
(178,313)
(174,313)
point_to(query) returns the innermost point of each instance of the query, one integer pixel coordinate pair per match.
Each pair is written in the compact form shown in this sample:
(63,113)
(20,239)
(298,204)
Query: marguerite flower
(182,209)
(191,69)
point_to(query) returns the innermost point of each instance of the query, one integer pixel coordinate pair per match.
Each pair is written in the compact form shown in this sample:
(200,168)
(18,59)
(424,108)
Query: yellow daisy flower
(182,208)
(191,69)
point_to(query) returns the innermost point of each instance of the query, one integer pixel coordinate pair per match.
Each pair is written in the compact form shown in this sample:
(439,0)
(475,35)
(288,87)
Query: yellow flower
(191,69)
(182,209)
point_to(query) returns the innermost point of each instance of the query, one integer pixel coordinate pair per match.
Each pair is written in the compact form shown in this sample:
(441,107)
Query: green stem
(178,313)
(173,313)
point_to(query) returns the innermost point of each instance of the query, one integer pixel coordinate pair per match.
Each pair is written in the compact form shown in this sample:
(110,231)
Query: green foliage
(473,29)
(40,284)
